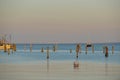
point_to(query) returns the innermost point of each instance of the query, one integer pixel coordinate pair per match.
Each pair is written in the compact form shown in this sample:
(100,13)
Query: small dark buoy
(89,45)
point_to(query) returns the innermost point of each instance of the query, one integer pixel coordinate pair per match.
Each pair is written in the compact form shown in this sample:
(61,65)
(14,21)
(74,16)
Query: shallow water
(62,53)
(26,65)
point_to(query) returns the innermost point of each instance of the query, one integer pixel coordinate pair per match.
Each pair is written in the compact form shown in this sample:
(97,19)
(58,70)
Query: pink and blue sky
(60,21)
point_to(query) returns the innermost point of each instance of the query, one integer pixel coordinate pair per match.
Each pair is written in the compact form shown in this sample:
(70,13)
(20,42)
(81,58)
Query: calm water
(62,53)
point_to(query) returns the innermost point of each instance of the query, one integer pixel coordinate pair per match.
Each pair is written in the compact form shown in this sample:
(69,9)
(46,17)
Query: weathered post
(42,50)
(112,49)
(106,52)
(30,47)
(47,52)
(86,48)
(70,50)
(77,50)
(92,48)
(24,47)
(14,47)
(55,47)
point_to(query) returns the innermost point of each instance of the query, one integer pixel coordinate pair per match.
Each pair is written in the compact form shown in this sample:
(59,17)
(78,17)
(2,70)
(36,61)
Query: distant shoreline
(71,43)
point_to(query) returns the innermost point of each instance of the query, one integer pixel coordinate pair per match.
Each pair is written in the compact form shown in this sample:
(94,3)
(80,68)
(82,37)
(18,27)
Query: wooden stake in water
(92,48)
(77,50)
(11,46)
(55,47)
(106,52)
(86,48)
(14,47)
(25,47)
(70,50)
(42,50)
(30,47)
(8,51)
(112,49)
(47,52)
(80,49)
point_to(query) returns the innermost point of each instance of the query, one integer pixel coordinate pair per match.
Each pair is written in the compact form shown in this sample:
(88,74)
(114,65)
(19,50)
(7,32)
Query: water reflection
(76,64)
(8,51)
(47,65)
(8,54)
(106,67)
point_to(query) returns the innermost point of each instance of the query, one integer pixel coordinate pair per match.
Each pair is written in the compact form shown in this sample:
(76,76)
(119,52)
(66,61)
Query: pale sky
(60,21)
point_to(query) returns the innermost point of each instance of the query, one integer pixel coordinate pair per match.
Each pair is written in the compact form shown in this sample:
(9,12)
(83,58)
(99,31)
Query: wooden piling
(86,49)
(92,48)
(42,50)
(24,47)
(77,50)
(14,47)
(70,50)
(30,47)
(112,49)
(47,52)
(106,52)
(55,47)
